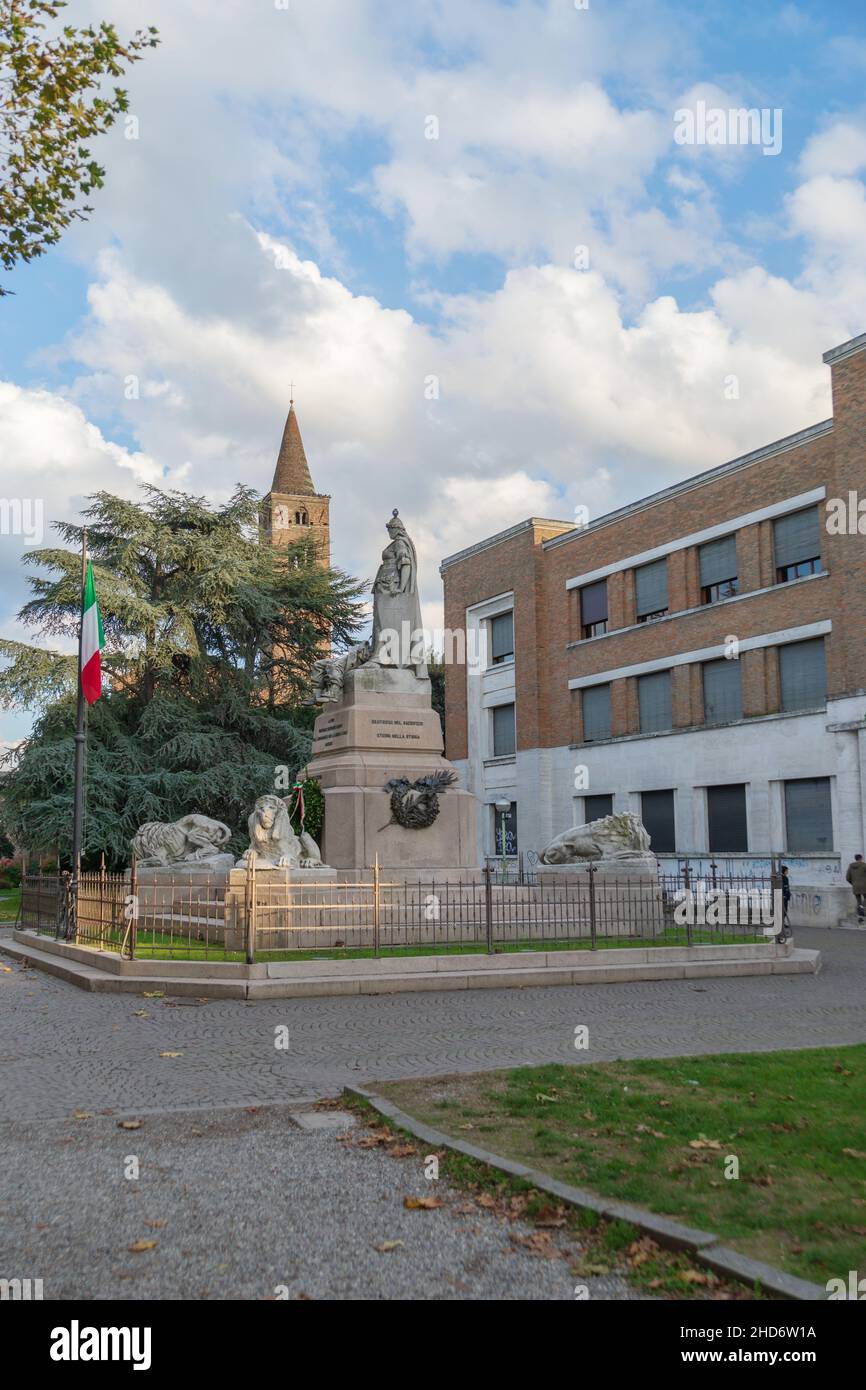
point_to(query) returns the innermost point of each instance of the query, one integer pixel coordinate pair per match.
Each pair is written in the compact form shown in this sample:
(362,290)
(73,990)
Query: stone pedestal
(385,727)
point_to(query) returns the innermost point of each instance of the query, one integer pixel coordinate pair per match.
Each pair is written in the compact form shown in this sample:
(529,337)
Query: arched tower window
(302,519)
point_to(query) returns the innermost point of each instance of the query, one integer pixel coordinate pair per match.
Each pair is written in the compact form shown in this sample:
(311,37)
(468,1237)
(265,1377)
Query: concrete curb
(705,1247)
(104,972)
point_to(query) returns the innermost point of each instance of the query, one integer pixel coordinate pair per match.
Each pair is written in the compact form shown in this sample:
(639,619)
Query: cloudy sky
(466,231)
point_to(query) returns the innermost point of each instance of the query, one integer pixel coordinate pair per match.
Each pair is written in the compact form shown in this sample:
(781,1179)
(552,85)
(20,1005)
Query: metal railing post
(250,907)
(590,868)
(687,880)
(376,905)
(488,907)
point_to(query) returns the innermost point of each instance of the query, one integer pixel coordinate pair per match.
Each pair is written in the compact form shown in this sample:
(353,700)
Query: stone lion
(191,840)
(619,837)
(274,841)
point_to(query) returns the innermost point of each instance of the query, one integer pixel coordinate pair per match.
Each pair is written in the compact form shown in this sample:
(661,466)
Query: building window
(717,569)
(501,639)
(797,545)
(657,814)
(301,519)
(654,701)
(594,807)
(595,708)
(503,731)
(506,821)
(651,591)
(593,609)
(723,698)
(802,675)
(726,819)
(808,818)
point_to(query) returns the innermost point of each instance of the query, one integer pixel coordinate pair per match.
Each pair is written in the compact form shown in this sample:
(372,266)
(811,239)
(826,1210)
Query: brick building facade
(698,656)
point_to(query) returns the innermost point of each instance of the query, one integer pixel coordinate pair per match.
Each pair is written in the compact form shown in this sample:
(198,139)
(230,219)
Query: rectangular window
(501,638)
(594,807)
(657,814)
(505,822)
(654,701)
(717,569)
(595,707)
(504,743)
(726,818)
(808,818)
(797,545)
(593,609)
(803,675)
(723,698)
(651,590)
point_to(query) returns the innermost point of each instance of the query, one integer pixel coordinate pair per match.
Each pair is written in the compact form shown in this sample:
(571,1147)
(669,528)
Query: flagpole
(80,729)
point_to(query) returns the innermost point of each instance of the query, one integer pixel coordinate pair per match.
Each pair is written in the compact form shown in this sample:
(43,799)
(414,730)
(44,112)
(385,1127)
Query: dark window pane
(717,561)
(594,807)
(595,706)
(651,589)
(503,731)
(802,675)
(726,818)
(501,637)
(593,609)
(657,814)
(654,699)
(808,817)
(722,694)
(797,538)
(508,822)
(714,593)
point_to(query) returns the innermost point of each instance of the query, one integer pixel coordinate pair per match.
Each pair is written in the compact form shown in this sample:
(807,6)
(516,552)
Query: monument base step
(397,974)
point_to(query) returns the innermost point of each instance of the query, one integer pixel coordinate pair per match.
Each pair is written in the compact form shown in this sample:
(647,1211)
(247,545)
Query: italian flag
(92,642)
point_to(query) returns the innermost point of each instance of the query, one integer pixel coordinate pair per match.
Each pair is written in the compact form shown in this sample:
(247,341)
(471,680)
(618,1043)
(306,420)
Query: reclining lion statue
(618,838)
(191,840)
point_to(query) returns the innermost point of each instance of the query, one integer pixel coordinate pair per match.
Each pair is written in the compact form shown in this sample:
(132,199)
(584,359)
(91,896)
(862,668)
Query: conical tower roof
(292,473)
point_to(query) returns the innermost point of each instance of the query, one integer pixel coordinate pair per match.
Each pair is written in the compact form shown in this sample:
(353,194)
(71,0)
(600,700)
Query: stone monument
(377,745)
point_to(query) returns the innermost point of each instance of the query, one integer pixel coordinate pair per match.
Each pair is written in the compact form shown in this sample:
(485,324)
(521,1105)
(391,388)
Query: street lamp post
(503,807)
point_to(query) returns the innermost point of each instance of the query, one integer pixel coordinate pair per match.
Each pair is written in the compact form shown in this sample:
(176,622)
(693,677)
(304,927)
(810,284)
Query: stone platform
(384,727)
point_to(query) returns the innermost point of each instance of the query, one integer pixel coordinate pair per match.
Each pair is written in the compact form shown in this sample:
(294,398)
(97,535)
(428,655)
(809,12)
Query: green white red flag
(92,641)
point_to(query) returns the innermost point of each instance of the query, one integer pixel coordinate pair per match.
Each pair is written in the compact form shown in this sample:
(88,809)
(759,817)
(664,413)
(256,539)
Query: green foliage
(314,809)
(53,101)
(210,636)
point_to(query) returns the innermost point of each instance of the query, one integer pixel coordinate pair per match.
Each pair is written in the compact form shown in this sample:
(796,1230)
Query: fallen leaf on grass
(82,1115)
(129,1124)
(153,994)
(539,1244)
(139,1246)
(704,1143)
(547,1100)
(854,1153)
(694,1276)
(388,1245)
(422,1203)
(588,1268)
(484,1199)
(140,1013)
(402,1150)
(551,1218)
(645,1129)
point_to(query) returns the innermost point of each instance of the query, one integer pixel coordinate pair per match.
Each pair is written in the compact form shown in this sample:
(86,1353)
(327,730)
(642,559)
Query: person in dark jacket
(786,898)
(856,876)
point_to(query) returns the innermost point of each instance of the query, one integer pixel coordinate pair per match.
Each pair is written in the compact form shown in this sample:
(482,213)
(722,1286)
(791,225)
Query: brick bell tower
(293,511)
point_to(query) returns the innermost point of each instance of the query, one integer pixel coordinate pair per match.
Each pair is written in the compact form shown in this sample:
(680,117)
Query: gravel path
(254,1207)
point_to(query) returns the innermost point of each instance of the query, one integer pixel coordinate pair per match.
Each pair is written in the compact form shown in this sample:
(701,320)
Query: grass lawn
(659,1134)
(9,900)
(161,946)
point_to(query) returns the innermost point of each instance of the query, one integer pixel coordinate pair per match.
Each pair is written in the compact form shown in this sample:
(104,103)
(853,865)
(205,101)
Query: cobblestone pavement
(250,1206)
(251,1200)
(62,1048)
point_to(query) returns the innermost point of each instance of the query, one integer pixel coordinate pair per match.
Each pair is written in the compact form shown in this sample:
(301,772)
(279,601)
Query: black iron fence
(250,915)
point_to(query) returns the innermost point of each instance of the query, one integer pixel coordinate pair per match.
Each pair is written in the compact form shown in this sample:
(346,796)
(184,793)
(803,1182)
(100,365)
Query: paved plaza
(250,1198)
